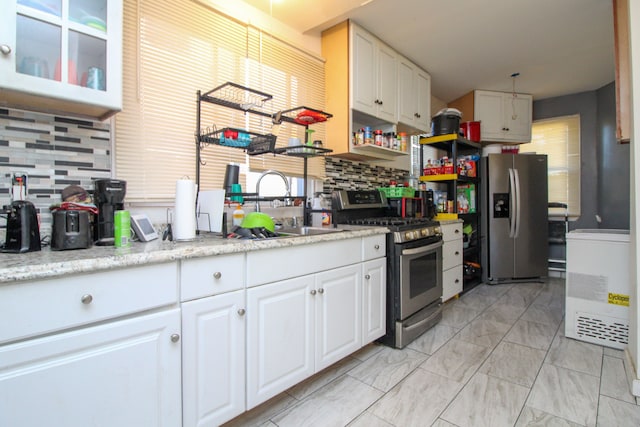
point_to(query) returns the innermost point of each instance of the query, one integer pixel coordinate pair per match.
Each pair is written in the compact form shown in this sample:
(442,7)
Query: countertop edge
(31,266)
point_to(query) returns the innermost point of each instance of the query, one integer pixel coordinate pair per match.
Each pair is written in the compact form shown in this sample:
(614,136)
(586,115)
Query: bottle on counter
(238,215)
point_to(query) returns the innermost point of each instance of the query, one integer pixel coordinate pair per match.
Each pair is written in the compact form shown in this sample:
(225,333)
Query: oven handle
(422,249)
(416,325)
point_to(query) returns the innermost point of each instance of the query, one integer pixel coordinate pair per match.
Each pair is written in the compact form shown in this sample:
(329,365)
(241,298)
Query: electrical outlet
(18,186)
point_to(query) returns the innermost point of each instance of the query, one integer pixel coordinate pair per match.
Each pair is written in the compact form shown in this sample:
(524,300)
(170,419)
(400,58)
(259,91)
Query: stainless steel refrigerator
(514,232)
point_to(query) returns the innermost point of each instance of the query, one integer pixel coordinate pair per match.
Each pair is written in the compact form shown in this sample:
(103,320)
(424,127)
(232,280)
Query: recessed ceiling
(559,47)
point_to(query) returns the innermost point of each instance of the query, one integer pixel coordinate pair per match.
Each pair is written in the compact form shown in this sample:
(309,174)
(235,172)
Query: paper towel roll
(184,220)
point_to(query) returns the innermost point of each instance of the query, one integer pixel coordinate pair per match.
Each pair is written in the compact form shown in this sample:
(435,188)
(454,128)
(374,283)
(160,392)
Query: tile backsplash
(54,152)
(349,175)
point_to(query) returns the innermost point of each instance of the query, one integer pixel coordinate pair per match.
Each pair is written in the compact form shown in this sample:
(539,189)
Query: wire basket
(262,144)
(396,192)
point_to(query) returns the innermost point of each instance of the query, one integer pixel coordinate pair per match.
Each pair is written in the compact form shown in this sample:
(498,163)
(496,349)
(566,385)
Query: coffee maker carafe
(108,195)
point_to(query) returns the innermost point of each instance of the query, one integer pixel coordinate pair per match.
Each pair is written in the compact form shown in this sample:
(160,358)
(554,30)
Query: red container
(471,131)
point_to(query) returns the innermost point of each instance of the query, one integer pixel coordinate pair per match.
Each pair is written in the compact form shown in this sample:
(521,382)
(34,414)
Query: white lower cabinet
(452,255)
(374,299)
(213,354)
(300,326)
(120,373)
(280,329)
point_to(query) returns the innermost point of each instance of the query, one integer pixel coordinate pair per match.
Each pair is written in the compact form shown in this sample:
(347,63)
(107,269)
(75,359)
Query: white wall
(634,329)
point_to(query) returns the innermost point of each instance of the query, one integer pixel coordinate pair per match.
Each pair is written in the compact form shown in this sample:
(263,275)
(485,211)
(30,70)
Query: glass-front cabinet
(62,56)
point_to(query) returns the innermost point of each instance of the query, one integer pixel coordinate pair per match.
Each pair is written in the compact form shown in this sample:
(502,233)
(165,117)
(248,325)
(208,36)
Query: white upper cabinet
(375,76)
(503,116)
(414,96)
(62,56)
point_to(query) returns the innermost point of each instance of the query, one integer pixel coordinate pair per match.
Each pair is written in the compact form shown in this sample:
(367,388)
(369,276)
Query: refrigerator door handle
(512,204)
(518,205)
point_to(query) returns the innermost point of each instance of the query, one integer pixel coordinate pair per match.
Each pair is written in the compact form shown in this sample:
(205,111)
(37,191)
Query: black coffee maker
(23,233)
(108,195)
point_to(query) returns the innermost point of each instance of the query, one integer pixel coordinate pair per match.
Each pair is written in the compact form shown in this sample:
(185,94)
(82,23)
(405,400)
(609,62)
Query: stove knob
(437,230)
(424,232)
(408,235)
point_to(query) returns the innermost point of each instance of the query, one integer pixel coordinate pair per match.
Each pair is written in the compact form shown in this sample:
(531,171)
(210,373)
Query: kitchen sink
(306,231)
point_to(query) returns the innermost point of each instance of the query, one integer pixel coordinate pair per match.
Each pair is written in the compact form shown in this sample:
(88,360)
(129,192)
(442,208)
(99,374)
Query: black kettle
(23,232)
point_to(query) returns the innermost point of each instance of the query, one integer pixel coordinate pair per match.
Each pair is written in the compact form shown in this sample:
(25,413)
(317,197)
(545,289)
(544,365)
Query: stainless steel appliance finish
(414,263)
(514,241)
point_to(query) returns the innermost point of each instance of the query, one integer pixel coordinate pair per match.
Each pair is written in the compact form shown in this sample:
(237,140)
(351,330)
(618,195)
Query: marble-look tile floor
(499,357)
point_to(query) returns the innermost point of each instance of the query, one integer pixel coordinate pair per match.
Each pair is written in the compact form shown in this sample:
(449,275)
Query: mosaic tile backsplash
(54,152)
(349,175)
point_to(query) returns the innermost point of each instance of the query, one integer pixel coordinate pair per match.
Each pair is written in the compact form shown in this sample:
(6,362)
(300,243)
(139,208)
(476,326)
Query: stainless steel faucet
(287,196)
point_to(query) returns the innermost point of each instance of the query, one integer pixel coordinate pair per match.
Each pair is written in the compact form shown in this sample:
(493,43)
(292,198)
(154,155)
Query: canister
(121,229)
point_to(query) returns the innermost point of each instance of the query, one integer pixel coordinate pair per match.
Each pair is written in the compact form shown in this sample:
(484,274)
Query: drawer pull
(313,291)
(321,291)
(5,49)
(366,276)
(175,337)
(86,299)
(217,275)
(241,312)
(376,247)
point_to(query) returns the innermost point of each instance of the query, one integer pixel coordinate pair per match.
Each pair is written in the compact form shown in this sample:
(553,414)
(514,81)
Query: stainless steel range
(414,263)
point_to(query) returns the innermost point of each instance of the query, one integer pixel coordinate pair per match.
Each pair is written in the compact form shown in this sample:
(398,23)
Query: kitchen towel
(184,221)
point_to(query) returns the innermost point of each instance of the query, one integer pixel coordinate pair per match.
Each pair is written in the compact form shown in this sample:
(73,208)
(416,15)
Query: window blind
(171,50)
(559,139)
(295,79)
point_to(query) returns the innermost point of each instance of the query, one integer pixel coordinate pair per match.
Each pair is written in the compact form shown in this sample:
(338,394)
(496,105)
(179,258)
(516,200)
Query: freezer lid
(600,234)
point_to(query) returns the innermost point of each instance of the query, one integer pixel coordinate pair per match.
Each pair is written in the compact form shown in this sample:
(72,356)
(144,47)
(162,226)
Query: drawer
(272,265)
(451,282)
(374,247)
(451,254)
(451,231)
(204,277)
(33,308)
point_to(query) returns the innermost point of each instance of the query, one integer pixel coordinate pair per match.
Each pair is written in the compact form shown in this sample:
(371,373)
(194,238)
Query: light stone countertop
(48,264)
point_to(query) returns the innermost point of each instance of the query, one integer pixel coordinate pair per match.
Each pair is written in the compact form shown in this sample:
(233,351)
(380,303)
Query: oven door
(420,277)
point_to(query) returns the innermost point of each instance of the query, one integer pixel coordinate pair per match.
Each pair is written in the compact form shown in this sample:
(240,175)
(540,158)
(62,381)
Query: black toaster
(71,230)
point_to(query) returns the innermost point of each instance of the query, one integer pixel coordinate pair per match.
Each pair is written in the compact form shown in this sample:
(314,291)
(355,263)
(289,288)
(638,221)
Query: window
(173,49)
(559,139)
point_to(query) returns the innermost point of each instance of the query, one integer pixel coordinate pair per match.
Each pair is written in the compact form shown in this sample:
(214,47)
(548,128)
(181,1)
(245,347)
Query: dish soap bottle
(238,215)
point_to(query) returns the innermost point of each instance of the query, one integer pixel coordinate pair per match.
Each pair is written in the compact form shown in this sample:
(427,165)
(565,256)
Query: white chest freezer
(597,287)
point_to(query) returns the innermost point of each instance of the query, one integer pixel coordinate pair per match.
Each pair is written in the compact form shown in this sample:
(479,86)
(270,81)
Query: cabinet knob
(457,281)
(457,231)
(376,247)
(175,337)
(217,275)
(313,291)
(86,299)
(417,116)
(366,276)
(321,291)
(241,312)
(457,253)
(5,49)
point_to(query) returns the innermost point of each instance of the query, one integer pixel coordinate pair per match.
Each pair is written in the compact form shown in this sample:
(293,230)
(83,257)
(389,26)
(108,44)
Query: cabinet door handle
(457,253)
(366,276)
(217,275)
(86,299)
(376,247)
(321,291)
(175,337)
(417,116)
(457,281)
(241,312)
(5,49)
(457,231)
(313,291)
